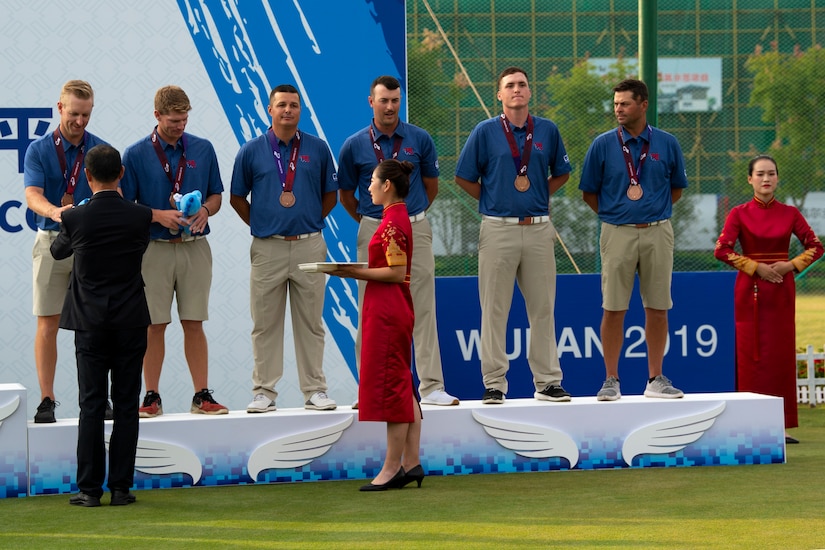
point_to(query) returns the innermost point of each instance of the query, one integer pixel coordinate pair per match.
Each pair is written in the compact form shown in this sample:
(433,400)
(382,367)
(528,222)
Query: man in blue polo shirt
(631,177)
(504,165)
(55,179)
(178,262)
(293,184)
(388,137)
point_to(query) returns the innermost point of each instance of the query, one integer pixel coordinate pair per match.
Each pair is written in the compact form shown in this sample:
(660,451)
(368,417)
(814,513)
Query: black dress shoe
(791,440)
(82,499)
(395,483)
(122,498)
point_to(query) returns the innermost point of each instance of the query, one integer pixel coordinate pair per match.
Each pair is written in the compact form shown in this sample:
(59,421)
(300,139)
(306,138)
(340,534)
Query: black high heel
(415,474)
(394,483)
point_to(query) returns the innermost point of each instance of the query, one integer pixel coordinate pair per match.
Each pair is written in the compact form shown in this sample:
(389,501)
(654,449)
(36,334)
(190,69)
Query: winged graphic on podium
(8,409)
(530,440)
(663,437)
(669,436)
(294,451)
(161,457)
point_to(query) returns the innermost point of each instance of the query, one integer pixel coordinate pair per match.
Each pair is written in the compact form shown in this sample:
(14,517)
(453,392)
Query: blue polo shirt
(256,172)
(41,168)
(356,161)
(145,182)
(486,157)
(605,174)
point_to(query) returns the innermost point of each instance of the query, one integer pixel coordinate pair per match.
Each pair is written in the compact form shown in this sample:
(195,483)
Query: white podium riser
(294,445)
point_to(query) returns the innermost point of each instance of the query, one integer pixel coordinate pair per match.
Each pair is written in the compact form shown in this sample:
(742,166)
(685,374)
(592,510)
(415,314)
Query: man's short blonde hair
(172,99)
(78,88)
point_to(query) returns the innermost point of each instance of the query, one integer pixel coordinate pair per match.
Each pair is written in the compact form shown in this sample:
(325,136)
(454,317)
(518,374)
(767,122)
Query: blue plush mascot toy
(188,204)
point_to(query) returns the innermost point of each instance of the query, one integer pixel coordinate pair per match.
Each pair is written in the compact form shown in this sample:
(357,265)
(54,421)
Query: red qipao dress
(764,312)
(386,385)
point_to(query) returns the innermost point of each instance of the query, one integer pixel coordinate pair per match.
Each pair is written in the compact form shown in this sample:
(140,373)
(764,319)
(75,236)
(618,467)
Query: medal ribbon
(632,173)
(521,161)
(70,179)
(177,179)
(379,153)
(288,176)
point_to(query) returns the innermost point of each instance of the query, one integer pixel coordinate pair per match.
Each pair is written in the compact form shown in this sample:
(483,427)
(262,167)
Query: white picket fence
(810,390)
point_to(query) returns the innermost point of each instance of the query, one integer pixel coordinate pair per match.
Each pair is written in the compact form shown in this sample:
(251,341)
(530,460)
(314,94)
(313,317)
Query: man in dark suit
(106,307)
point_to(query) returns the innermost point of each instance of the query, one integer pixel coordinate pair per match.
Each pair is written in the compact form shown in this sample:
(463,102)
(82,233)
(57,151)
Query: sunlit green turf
(767,506)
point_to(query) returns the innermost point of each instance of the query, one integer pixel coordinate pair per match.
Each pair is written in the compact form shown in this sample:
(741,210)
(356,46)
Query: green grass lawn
(810,320)
(766,506)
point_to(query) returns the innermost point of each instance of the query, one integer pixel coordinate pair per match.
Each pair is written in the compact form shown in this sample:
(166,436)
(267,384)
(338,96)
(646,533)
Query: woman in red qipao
(764,293)
(386,391)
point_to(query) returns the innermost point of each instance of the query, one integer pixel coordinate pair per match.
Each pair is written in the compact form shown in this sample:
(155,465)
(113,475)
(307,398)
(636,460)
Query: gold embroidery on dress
(395,254)
(742,263)
(804,260)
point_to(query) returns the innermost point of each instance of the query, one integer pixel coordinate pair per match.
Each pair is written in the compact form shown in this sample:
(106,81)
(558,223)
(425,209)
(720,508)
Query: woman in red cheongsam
(764,293)
(386,392)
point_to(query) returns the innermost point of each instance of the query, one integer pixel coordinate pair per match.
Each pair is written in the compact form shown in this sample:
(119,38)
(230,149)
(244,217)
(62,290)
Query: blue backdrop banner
(699,356)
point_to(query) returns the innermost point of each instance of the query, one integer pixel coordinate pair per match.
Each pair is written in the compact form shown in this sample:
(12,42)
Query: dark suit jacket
(108,236)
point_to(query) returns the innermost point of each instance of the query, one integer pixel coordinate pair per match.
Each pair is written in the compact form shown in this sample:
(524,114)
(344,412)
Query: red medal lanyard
(521,161)
(70,179)
(379,153)
(177,179)
(288,178)
(633,174)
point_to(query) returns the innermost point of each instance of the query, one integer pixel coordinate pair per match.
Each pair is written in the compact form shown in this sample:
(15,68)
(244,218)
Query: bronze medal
(172,201)
(522,183)
(634,192)
(287,199)
(67,199)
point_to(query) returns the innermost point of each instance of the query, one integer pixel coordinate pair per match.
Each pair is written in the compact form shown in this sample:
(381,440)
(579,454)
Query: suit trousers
(422,288)
(99,353)
(523,253)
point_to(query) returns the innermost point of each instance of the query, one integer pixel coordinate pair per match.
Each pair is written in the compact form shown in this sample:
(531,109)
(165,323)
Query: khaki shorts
(50,277)
(182,270)
(626,251)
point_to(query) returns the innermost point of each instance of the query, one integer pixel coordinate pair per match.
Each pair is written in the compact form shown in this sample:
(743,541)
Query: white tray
(326,267)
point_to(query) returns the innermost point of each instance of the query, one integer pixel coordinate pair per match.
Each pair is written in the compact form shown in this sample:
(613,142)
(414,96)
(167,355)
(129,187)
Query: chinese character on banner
(19,140)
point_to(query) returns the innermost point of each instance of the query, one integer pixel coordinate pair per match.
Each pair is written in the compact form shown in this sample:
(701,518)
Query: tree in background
(790,90)
(433,99)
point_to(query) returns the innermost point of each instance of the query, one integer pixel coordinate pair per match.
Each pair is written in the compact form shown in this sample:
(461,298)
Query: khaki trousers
(274,272)
(523,253)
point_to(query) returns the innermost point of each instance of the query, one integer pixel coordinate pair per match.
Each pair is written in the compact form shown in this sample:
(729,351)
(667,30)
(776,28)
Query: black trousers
(98,353)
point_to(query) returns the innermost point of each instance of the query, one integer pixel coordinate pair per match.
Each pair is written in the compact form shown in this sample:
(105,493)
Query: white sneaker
(439,397)
(260,404)
(319,401)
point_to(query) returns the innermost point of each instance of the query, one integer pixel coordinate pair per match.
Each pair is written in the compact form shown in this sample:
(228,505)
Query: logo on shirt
(303,158)
(539,146)
(654,156)
(409,151)
(190,163)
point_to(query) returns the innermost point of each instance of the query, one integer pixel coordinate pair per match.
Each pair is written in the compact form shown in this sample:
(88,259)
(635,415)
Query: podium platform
(296,445)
